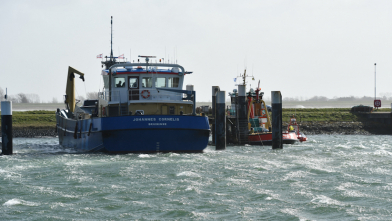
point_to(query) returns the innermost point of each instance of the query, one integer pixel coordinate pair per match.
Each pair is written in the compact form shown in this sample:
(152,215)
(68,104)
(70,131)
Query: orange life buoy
(263,113)
(145,96)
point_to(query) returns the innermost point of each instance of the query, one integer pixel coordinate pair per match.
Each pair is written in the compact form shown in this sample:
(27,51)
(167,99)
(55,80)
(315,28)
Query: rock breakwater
(333,128)
(363,128)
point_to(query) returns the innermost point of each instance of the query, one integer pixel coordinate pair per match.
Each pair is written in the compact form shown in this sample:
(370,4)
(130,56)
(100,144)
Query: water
(340,177)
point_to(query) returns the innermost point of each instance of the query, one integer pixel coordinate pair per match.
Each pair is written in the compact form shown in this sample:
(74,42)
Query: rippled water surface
(342,177)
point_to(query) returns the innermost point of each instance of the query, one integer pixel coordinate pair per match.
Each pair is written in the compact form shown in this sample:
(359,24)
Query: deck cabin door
(133,83)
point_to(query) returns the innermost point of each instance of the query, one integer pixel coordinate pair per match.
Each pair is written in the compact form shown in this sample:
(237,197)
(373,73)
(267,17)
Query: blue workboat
(142,109)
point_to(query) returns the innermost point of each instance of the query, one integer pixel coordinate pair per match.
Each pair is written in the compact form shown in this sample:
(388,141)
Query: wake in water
(45,145)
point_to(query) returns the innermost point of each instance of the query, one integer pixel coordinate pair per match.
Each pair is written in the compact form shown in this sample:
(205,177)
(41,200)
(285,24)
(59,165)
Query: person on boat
(291,128)
(293,120)
(119,84)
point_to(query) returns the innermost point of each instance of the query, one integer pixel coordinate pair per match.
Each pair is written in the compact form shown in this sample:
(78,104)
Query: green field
(324,114)
(33,118)
(47,118)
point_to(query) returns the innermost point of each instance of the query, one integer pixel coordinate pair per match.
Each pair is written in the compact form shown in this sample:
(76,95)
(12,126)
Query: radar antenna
(244,76)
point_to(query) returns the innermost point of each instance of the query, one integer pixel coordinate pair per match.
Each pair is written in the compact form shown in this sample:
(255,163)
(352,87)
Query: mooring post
(276,100)
(220,121)
(6,127)
(241,102)
(215,90)
(242,116)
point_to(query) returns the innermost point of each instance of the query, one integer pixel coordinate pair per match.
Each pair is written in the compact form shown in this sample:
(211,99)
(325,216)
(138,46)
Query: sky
(303,48)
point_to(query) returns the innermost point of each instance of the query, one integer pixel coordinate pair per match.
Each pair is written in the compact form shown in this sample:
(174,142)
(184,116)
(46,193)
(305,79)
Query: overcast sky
(301,48)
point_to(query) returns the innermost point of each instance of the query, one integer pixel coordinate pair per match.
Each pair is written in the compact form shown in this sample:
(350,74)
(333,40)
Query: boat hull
(266,138)
(135,134)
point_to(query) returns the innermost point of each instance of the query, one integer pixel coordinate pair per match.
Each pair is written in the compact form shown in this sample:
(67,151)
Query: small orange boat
(260,124)
(294,127)
(266,138)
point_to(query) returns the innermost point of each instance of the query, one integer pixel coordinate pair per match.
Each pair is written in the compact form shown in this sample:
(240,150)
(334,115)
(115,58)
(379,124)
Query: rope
(260,140)
(259,137)
(77,93)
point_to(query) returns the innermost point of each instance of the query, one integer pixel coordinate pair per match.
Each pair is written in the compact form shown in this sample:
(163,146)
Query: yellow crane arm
(268,124)
(70,90)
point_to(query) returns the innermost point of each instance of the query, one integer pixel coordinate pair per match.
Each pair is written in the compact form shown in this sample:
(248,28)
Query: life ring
(263,113)
(145,96)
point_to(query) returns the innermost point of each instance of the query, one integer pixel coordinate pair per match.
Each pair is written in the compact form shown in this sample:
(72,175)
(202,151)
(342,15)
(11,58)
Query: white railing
(116,96)
(160,95)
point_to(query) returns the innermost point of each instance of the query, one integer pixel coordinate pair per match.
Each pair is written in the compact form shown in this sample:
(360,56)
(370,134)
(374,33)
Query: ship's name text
(154,119)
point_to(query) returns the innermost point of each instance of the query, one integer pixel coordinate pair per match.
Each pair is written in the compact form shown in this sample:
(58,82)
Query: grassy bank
(323,114)
(33,119)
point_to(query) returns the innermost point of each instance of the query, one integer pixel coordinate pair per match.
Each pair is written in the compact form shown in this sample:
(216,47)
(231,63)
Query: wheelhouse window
(173,82)
(119,82)
(160,82)
(147,82)
(133,82)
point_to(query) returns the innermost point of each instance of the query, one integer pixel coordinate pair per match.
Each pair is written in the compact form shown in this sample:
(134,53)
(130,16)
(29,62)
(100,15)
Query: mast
(244,76)
(111,38)
(112,59)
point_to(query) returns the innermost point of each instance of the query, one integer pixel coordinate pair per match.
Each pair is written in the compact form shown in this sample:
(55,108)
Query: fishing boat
(142,109)
(260,128)
(253,127)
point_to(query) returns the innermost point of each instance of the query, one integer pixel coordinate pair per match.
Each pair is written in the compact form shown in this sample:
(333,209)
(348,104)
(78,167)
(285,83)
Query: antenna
(245,63)
(147,57)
